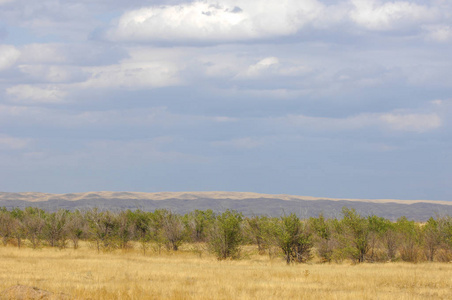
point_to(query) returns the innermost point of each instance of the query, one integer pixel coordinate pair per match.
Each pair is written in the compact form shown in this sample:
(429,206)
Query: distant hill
(248,203)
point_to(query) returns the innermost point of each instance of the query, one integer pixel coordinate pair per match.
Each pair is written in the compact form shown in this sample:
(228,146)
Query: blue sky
(334,98)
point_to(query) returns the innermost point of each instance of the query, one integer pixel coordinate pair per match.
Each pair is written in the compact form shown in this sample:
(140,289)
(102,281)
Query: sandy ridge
(38,197)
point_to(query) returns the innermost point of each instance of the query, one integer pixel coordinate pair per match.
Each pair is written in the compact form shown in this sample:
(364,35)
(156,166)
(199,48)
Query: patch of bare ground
(24,292)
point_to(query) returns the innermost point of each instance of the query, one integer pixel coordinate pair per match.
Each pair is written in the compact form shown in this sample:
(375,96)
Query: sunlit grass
(189,274)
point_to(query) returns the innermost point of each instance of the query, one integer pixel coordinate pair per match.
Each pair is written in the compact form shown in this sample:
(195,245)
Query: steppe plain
(192,273)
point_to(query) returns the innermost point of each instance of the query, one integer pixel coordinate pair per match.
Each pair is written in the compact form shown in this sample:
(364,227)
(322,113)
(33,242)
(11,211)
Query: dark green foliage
(103,229)
(323,237)
(6,226)
(356,237)
(55,228)
(431,238)
(378,227)
(357,234)
(173,230)
(294,239)
(76,228)
(125,228)
(445,228)
(226,235)
(141,221)
(410,239)
(198,223)
(34,222)
(258,229)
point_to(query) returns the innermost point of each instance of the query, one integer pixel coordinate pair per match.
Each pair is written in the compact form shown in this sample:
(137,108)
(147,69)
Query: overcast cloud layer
(334,98)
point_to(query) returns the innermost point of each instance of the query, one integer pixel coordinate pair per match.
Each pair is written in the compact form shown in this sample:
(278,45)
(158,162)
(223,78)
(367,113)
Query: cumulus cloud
(218,65)
(53,73)
(240,143)
(412,122)
(43,54)
(258,69)
(144,68)
(209,21)
(439,33)
(8,142)
(134,152)
(332,124)
(5,1)
(8,56)
(36,94)
(378,15)
(133,75)
(375,15)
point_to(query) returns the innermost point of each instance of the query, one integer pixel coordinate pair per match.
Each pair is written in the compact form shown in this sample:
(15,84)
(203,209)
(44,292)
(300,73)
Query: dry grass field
(85,274)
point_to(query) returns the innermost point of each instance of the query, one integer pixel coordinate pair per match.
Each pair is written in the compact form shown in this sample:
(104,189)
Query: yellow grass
(85,274)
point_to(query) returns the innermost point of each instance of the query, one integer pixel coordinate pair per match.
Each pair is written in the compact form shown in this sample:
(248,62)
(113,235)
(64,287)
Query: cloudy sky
(335,98)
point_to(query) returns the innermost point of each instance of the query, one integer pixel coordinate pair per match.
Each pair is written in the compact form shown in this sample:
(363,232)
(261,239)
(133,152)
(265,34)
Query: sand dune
(39,197)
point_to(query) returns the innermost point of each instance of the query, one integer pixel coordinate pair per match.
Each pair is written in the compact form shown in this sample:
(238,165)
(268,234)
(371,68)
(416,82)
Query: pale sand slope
(38,197)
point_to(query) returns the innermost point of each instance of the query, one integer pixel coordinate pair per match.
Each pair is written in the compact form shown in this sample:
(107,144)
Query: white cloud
(36,94)
(8,142)
(5,1)
(52,73)
(222,119)
(233,20)
(437,102)
(412,122)
(8,56)
(271,66)
(145,68)
(135,117)
(218,64)
(395,121)
(261,67)
(209,21)
(332,124)
(42,54)
(240,143)
(439,33)
(374,15)
(133,75)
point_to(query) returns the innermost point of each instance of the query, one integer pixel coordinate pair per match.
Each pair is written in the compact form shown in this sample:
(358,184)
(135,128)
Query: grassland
(192,274)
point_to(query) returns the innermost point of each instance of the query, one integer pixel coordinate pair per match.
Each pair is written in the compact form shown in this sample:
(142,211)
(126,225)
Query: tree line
(353,236)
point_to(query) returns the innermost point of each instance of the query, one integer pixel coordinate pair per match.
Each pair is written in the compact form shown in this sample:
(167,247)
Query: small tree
(294,239)
(357,229)
(198,223)
(257,230)
(142,221)
(378,227)
(156,228)
(76,228)
(324,240)
(54,230)
(103,229)
(225,235)
(125,228)
(431,238)
(33,222)
(445,229)
(18,229)
(409,233)
(6,226)
(173,230)
(391,241)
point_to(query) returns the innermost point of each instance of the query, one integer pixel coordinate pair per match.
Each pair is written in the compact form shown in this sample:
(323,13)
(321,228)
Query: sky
(327,98)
